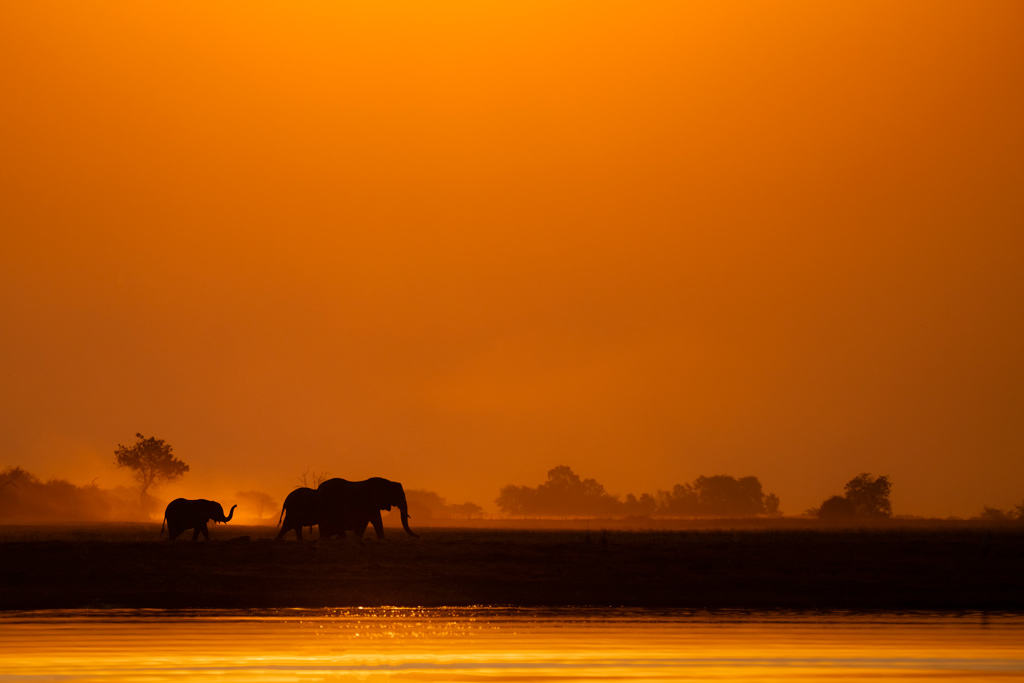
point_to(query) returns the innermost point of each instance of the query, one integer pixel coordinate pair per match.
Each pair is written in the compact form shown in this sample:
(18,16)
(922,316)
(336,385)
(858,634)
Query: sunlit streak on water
(498,644)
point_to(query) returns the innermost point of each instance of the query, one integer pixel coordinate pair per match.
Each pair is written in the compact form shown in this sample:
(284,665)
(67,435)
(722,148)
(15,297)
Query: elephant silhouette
(351,505)
(184,514)
(300,508)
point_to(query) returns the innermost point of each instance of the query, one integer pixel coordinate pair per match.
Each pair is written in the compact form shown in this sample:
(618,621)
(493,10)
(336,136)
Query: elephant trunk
(404,509)
(230,514)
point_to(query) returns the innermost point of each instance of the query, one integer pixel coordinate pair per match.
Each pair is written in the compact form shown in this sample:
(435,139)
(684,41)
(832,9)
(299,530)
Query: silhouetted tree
(16,476)
(718,495)
(870,495)
(151,460)
(993,514)
(642,507)
(465,510)
(990,514)
(430,505)
(564,493)
(683,499)
(427,504)
(725,495)
(865,496)
(836,507)
(515,500)
(259,501)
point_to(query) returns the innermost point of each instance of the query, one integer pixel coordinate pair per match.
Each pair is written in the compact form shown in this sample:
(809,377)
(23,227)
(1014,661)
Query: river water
(493,644)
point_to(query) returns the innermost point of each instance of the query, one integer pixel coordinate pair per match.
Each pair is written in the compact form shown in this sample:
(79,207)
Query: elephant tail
(281,516)
(162,525)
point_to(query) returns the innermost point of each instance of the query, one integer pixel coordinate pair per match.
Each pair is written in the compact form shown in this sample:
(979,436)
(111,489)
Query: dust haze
(661,245)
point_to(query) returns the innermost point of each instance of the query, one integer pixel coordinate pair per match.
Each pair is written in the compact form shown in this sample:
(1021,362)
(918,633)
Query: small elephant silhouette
(184,514)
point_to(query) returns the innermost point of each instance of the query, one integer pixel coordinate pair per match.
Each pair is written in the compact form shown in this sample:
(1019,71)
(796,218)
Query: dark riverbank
(768,569)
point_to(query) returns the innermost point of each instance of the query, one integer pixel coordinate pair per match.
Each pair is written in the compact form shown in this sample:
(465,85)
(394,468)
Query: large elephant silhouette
(301,508)
(184,514)
(352,505)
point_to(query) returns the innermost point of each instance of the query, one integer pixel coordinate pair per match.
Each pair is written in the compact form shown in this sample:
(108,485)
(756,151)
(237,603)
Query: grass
(875,569)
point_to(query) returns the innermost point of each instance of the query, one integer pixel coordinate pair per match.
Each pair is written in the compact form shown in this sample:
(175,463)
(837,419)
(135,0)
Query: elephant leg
(360,529)
(298,533)
(205,532)
(172,533)
(378,525)
(195,534)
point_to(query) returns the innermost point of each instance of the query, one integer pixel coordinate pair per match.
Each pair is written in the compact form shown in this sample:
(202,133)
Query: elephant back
(341,502)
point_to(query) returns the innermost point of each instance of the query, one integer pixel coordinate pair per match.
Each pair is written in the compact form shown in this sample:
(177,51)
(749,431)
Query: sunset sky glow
(458,243)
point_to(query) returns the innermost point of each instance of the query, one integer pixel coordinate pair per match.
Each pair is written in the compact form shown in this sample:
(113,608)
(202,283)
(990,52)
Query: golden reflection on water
(488,644)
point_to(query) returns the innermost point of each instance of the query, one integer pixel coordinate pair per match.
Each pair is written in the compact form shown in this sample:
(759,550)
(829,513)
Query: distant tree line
(24,497)
(565,493)
(993,514)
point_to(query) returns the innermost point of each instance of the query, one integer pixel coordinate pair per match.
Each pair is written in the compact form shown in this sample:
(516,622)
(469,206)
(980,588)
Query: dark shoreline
(883,570)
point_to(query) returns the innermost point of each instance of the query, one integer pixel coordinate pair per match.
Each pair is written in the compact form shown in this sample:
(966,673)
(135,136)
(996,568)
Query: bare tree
(312,479)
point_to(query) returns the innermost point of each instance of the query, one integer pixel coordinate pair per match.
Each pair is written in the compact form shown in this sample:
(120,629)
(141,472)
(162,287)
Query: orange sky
(457,243)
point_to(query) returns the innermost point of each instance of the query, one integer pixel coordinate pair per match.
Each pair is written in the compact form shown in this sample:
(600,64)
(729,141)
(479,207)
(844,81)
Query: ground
(890,569)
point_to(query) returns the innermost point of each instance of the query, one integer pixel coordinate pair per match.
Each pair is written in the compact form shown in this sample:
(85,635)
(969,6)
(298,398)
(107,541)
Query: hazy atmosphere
(649,245)
(508,340)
